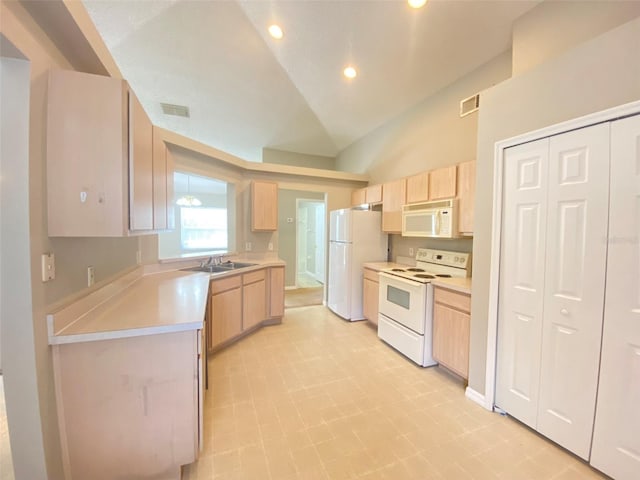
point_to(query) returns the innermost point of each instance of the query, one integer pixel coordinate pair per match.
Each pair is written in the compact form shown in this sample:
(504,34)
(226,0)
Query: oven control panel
(442,257)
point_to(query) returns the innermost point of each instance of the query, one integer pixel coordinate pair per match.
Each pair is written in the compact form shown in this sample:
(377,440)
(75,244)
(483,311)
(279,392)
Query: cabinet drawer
(456,300)
(224,284)
(253,277)
(371,275)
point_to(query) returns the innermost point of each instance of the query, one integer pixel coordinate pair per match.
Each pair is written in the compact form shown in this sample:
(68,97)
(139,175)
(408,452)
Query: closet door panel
(578,191)
(616,438)
(522,279)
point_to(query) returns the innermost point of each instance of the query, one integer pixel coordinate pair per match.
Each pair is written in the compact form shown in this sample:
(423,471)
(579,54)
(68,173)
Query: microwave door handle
(438,223)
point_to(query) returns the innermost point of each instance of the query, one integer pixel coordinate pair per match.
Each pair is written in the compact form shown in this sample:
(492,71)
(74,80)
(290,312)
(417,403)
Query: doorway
(310,240)
(302,227)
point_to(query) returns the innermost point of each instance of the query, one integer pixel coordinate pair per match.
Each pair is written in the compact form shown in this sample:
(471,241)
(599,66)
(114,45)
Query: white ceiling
(246,91)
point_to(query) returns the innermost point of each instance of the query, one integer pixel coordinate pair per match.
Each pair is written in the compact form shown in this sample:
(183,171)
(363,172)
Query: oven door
(404,301)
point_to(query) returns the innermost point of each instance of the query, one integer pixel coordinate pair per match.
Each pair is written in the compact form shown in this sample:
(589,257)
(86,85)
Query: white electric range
(405,301)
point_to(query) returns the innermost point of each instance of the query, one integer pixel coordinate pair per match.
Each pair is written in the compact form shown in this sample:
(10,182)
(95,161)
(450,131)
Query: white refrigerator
(355,237)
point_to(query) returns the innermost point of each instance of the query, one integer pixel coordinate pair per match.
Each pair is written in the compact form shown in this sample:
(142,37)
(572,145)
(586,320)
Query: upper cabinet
(442,183)
(102,177)
(466,196)
(393,198)
(418,188)
(371,195)
(264,206)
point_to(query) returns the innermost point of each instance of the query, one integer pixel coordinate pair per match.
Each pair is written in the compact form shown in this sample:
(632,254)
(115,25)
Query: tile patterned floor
(321,398)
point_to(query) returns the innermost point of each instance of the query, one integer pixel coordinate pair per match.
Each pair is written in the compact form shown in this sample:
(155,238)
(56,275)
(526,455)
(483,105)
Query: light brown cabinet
(442,183)
(466,196)
(370,285)
(163,201)
(371,195)
(418,188)
(100,173)
(264,206)
(131,414)
(393,198)
(451,325)
(254,299)
(276,292)
(241,302)
(225,310)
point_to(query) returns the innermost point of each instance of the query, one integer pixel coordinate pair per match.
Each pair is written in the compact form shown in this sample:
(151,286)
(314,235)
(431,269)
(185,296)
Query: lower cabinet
(370,295)
(451,324)
(225,310)
(139,408)
(239,303)
(254,299)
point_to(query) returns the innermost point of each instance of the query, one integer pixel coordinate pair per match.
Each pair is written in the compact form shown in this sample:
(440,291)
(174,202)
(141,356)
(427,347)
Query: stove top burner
(413,269)
(443,275)
(423,275)
(397,269)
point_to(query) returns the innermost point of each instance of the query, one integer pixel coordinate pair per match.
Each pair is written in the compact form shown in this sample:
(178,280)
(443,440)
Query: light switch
(48,267)
(247,246)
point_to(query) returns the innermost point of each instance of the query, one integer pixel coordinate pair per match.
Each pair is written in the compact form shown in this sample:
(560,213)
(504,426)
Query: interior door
(522,279)
(578,210)
(616,437)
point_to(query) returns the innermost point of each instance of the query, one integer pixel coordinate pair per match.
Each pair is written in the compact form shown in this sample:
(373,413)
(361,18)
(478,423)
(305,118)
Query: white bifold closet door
(616,437)
(553,262)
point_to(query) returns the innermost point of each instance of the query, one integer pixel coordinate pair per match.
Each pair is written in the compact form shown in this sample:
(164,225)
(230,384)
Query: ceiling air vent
(469,105)
(177,110)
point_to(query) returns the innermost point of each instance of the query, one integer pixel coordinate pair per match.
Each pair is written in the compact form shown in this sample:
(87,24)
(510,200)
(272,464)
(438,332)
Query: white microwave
(430,219)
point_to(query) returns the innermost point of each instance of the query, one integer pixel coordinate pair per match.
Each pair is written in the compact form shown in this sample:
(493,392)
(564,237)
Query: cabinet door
(393,198)
(442,183)
(226,316)
(616,438)
(373,194)
(264,206)
(254,304)
(418,188)
(358,197)
(466,196)
(276,292)
(451,338)
(370,299)
(140,167)
(577,206)
(86,155)
(160,180)
(522,260)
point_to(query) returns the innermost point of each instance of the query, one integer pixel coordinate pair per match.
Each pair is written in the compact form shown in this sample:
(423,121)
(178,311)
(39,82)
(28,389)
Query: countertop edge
(450,286)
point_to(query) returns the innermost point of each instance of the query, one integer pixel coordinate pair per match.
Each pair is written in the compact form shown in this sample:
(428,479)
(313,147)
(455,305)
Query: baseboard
(476,397)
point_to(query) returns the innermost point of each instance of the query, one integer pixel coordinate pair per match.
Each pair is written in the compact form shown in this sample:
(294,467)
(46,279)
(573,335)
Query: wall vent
(469,105)
(177,110)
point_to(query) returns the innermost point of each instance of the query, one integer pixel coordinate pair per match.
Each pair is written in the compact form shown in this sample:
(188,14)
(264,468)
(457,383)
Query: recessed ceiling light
(350,72)
(275,31)
(416,3)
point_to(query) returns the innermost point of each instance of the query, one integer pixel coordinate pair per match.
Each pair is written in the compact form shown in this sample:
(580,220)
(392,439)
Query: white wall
(17,337)
(598,74)
(552,28)
(427,136)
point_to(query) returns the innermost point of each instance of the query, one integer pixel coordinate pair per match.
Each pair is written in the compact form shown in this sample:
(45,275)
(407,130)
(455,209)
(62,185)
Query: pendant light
(188,200)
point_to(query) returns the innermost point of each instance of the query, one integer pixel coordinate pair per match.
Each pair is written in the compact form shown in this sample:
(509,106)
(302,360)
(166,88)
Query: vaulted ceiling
(247,91)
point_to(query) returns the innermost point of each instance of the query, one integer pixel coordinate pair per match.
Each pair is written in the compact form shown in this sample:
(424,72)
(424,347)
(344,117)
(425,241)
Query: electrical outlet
(411,252)
(247,246)
(91,277)
(270,247)
(48,267)
(138,257)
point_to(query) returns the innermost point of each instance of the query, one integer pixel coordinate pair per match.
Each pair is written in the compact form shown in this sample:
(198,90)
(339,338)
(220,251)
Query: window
(204,215)
(203,228)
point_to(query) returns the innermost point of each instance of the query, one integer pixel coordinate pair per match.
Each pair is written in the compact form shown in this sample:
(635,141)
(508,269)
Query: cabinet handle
(564,311)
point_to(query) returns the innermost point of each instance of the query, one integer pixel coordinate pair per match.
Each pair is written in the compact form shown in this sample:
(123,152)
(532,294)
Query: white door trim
(494,274)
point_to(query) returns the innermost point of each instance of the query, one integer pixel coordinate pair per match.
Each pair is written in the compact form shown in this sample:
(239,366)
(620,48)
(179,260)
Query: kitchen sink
(223,267)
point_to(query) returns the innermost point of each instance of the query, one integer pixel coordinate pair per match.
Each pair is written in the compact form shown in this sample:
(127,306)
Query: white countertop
(149,304)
